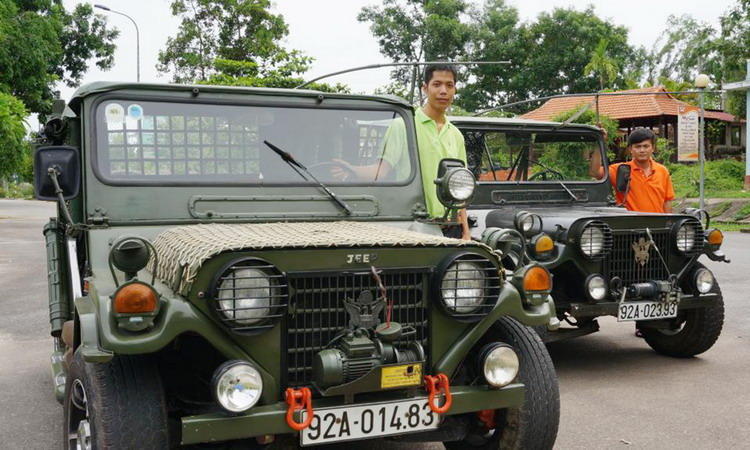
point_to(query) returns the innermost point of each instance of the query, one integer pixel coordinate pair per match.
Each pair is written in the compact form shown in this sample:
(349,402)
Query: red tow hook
(434,385)
(299,399)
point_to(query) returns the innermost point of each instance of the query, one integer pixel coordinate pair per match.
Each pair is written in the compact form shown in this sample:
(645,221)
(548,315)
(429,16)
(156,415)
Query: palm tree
(602,64)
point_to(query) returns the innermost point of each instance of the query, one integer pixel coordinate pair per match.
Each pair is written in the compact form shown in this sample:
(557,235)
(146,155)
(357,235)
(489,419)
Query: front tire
(534,425)
(696,331)
(117,405)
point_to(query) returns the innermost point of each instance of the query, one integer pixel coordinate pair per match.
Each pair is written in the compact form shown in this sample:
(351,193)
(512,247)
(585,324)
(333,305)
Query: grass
(720,209)
(17,190)
(730,226)
(743,212)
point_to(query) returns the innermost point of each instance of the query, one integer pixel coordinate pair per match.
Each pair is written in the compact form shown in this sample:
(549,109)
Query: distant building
(655,111)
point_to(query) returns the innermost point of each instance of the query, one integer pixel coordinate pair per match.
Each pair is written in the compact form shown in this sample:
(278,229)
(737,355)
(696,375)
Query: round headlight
(596,287)
(592,240)
(499,364)
(526,223)
(237,386)
(463,287)
(245,296)
(704,280)
(461,184)
(686,237)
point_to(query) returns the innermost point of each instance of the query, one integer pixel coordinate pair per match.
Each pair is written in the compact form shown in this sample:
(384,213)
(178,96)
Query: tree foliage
(13,145)
(419,30)
(602,65)
(41,43)
(230,42)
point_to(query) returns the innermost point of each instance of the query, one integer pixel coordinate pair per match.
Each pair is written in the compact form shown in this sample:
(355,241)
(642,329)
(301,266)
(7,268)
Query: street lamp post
(137,39)
(701,82)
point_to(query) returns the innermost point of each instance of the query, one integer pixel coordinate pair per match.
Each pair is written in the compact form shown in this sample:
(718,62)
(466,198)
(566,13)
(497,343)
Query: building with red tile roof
(650,107)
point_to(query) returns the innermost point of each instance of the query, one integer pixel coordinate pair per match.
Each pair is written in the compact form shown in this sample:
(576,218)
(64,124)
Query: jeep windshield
(533,156)
(148,142)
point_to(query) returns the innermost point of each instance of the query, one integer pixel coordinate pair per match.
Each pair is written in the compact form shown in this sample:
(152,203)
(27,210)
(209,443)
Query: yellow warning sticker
(397,376)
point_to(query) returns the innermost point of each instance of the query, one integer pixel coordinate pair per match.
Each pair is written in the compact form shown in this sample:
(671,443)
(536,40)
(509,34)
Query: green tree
(496,36)
(602,65)
(41,43)
(549,56)
(241,73)
(13,145)
(418,30)
(221,40)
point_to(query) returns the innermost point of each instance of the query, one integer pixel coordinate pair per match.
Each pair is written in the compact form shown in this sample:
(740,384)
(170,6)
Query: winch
(366,344)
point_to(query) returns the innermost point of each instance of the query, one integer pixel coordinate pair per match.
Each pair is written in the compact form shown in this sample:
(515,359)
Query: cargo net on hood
(182,250)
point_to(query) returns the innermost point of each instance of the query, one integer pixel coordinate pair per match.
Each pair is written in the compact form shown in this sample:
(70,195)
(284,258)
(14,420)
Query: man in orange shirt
(650,187)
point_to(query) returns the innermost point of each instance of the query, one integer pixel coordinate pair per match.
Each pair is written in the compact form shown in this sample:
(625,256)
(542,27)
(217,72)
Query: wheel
(693,332)
(534,424)
(117,405)
(324,170)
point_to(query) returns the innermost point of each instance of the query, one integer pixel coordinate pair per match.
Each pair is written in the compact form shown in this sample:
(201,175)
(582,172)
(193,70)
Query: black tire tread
(700,333)
(541,410)
(127,409)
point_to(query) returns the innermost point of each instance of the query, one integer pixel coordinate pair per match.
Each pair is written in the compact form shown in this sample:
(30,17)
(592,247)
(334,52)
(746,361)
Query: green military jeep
(537,201)
(211,280)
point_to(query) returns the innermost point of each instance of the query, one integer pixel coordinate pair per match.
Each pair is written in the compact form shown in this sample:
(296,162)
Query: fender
(509,303)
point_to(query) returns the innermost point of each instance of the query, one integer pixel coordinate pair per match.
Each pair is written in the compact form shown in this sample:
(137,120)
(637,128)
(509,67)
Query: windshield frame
(570,130)
(364,104)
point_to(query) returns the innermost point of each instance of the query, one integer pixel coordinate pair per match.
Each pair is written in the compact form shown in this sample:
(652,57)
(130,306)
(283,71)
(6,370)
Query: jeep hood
(181,251)
(565,217)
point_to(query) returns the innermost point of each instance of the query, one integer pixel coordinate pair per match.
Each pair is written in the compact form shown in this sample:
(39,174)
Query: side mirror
(63,161)
(623,178)
(455,183)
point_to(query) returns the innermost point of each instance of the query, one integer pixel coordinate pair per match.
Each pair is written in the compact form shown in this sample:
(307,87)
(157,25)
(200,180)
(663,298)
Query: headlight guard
(594,239)
(688,236)
(249,295)
(468,285)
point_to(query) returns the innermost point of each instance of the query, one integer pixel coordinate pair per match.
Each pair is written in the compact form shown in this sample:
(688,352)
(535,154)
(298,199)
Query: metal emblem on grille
(364,311)
(641,249)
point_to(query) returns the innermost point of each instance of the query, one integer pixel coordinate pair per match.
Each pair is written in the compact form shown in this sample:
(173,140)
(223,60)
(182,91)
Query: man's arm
(463,220)
(596,170)
(668,206)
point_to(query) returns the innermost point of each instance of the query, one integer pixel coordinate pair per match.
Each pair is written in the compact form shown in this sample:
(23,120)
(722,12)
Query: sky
(328,30)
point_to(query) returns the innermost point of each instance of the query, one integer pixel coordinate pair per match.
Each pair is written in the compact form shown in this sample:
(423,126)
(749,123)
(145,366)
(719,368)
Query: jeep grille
(317,315)
(621,261)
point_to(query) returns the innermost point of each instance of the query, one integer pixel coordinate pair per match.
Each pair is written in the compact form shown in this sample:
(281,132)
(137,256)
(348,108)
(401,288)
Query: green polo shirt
(433,146)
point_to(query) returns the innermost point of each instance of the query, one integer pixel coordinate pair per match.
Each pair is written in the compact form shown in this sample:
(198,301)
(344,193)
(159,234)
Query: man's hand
(339,171)
(463,220)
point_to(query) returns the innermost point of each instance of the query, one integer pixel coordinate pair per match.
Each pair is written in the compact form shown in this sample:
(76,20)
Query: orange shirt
(647,193)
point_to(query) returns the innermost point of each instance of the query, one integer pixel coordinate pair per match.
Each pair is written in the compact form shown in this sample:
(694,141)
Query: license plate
(631,311)
(368,421)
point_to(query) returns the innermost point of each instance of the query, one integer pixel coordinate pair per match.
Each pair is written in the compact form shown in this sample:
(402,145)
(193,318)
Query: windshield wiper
(294,164)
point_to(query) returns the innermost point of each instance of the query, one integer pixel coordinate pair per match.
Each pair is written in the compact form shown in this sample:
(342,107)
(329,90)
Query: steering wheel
(326,166)
(547,174)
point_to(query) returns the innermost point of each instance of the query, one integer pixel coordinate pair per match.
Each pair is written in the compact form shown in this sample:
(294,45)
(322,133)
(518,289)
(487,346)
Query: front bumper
(270,419)
(579,310)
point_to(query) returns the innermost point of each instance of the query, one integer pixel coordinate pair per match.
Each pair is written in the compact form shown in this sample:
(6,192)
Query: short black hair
(432,68)
(641,134)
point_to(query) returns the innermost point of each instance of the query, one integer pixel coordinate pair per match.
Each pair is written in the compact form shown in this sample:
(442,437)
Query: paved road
(616,393)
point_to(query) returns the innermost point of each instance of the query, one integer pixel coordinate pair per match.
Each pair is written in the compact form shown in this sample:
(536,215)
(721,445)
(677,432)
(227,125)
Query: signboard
(688,133)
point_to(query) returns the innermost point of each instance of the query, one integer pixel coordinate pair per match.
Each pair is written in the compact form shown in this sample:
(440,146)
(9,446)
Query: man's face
(642,151)
(440,90)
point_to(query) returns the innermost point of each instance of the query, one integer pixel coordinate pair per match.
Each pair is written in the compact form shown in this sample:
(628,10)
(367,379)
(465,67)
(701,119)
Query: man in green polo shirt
(437,139)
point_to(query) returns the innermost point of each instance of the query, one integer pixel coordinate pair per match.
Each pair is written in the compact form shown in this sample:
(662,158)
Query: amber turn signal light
(537,279)
(135,298)
(715,237)
(543,244)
